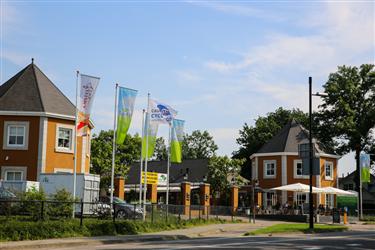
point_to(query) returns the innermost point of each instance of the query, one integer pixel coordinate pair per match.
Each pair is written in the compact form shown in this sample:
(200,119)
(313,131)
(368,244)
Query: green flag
(176,140)
(365,167)
(125,112)
(152,133)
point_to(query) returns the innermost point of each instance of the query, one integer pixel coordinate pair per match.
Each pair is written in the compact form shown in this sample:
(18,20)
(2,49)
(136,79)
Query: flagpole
(360,189)
(114,147)
(75,144)
(141,165)
(168,165)
(146,156)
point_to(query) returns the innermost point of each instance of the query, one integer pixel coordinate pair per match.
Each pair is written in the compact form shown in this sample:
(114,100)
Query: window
(13,175)
(269,169)
(271,199)
(298,170)
(301,198)
(15,135)
(329,170)
(329,200)
(64,138)
(349,186)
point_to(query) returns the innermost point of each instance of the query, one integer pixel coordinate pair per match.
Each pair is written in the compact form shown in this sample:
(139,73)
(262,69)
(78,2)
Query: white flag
(161,113)
(86,97)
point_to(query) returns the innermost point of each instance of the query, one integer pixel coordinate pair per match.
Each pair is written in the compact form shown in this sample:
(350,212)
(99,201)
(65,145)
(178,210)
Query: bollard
(345,217)
(199,212)
(189,212)
(81,219)
(114,213)
(134,215)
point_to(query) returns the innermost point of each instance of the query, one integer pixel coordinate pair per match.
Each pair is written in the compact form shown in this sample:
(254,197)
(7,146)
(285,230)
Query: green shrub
(63,208)
(30,203)
(31,230)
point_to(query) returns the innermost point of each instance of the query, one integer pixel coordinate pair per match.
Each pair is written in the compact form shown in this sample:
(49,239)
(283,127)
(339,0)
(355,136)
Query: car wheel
(121,214)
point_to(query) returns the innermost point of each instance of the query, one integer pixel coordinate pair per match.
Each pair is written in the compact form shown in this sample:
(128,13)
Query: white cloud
(225,138)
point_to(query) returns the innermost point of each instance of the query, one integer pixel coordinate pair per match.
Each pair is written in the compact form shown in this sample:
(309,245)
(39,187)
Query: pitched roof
(288,139)
(30,90)
(196,170)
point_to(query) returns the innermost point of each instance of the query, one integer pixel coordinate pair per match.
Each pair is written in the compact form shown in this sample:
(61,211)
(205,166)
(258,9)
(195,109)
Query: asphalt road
(347,240)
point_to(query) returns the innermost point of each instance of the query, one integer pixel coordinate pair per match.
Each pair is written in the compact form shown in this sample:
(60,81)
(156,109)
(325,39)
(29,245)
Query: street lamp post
(311,209)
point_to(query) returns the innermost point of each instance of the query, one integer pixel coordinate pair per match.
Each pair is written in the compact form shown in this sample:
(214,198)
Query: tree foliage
(101,155)
(252,138)
(198,145)
(223,172)
(347,115)
(160,151)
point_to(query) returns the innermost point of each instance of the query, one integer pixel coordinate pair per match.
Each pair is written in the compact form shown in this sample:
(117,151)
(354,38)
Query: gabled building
(37,129)
(277,164)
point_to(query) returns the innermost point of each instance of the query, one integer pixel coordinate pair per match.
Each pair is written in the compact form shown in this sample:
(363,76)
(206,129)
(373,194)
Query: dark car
(122,209)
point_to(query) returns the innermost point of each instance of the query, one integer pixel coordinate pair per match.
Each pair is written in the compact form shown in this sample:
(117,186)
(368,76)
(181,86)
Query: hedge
(13,230)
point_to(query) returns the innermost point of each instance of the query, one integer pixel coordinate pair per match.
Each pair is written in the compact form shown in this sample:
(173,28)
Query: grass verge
(13,230)
(303,227)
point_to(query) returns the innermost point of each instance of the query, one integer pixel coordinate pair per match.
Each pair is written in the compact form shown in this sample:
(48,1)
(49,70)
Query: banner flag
(176,140)
(365,167)
(161,113)
(125,112)
(152,133)
(86,98)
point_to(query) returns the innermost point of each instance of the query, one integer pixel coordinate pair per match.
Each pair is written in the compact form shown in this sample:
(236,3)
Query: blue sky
(219,63)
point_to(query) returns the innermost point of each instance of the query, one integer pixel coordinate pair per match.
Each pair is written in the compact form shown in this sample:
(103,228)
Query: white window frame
(295,175)
(330,164)
(62,149)
(6,134)
(298,201)
(265,175)
(331,200)
(6,169)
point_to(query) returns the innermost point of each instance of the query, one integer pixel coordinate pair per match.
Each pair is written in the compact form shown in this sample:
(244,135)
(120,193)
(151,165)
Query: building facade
(37,129)
(278,163)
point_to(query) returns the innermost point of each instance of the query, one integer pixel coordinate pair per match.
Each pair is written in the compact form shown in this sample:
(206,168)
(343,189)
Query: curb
(86,242)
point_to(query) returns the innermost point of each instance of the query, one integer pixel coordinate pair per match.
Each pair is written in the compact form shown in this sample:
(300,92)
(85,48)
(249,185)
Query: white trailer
(88,186)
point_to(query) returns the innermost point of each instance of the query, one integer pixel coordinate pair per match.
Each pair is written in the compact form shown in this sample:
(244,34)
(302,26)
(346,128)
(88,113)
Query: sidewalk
(213,230)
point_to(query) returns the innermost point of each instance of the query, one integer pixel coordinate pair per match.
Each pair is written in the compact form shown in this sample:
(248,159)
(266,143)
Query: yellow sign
(152,177)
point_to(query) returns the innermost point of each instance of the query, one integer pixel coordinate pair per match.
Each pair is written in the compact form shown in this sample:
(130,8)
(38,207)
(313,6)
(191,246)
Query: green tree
(101,155)
(347,115)
(252,138)
(160,151)
(198,145)
(222,173)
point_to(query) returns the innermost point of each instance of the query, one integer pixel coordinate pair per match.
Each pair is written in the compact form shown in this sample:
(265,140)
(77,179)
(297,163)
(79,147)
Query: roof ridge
(286,138)
(37,86)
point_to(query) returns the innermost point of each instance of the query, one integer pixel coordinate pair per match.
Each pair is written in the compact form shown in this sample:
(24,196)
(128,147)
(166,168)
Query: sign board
(306,166)
(152,177)
(304,150)
(155,178)
(162,179)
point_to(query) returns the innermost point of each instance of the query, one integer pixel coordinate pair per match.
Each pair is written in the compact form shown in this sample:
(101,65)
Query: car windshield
(118,201)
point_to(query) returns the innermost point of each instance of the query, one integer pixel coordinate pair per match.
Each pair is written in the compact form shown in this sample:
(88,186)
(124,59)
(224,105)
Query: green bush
(63,208)
(30,203)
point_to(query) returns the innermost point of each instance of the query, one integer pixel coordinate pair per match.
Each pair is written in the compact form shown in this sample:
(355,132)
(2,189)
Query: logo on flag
(161,113)
(86,98)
